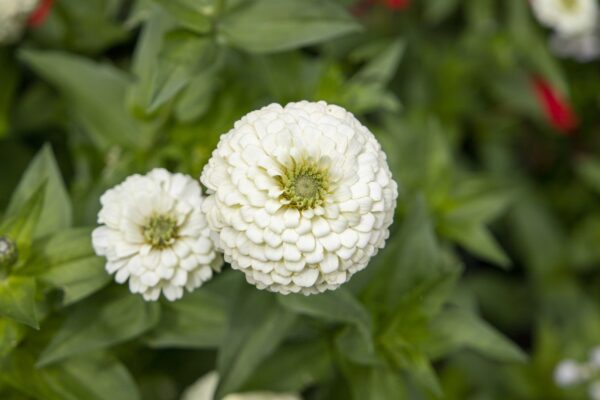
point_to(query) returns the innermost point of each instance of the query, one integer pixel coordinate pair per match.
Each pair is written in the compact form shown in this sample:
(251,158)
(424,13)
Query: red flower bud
(558,111)
(39,15)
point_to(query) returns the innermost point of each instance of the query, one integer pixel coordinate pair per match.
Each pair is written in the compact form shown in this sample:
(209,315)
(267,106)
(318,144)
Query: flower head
(567,17)
(155,234)
(301,196)
(13,17)
(205,387)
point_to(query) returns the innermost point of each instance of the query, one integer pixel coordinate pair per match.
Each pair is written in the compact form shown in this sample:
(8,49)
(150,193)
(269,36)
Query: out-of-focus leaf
(589,171)
(258,324)
(476,238)
(67,261)
(275,25)
(95,93)
(91,377)
(17,300)
(456,328)
(11,333)
(333,306)
(292,368)
(57,211)
(191,14)
(108,318)
(9,73)
(198,320)
(374,382)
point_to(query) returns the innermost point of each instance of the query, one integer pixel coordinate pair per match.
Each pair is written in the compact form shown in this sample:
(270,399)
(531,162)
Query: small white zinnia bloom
(204,389)
(567,373)
(155,234)
(301,196)
(13,16)
(567,17)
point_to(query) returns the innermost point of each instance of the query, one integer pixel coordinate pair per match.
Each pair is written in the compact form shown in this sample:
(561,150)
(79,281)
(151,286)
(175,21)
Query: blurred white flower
(594,390)
(8,252)
(567,17)
(583,47)
(204,389)
(567,373)
(301,196)
(595,358)
(155,234)
(13,16)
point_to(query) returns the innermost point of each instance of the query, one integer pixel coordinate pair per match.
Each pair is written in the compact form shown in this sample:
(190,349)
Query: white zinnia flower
(567,373)
(155,235)
(567,17)
(204,389)
(594,390)
(595,358)
(13,15)
(301,196)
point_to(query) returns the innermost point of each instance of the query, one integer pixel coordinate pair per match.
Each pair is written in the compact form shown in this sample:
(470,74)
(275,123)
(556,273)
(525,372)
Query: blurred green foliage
(107,88)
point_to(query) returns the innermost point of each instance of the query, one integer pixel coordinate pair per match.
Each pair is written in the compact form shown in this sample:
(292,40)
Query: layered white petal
(278,246)
(13,16)
(567,17)
(126,209)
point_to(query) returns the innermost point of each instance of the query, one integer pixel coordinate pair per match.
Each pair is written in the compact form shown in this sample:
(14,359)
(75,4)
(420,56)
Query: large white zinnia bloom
(204,389)
(13,15)
(155,234)
(567,17)
(301,196)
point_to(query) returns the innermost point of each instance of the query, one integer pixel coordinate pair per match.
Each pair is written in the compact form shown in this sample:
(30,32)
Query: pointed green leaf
(258,325)
(17,300)
(264,26)
(111,317)
(96,94)
(194,15)
(57,211)
(94,377)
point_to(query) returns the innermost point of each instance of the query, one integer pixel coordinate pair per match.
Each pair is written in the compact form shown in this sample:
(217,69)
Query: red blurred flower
(558,111)
(363,6)
(397,4)
(40,13)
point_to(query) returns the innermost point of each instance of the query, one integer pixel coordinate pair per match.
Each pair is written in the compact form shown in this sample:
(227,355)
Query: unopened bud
(8,252)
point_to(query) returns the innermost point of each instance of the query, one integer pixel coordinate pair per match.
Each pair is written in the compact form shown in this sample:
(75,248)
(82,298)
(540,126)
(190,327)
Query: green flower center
(570,5)
(161,231)
(305,184)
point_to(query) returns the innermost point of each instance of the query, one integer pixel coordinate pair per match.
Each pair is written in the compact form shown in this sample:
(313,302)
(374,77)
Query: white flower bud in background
(301,196)
(567,17)
(155,235)
(594,390)
(595,358)
(567,373)
(8,252)
(13,16)
(204,389)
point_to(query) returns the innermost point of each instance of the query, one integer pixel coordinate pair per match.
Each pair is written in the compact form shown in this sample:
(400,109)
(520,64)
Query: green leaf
(95,93)
(456,328)
(11,334)
(374,382)
(264,26)
(477,239)
(191,14)
(333,306)
(94,377)
(258,325)
(111,317)
(198,320)
(17,300)
(57,212)
(67,261)
(21,227)
(292,368)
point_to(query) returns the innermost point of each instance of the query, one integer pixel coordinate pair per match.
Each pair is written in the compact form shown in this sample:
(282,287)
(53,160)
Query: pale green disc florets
(305,184)
(161,231)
